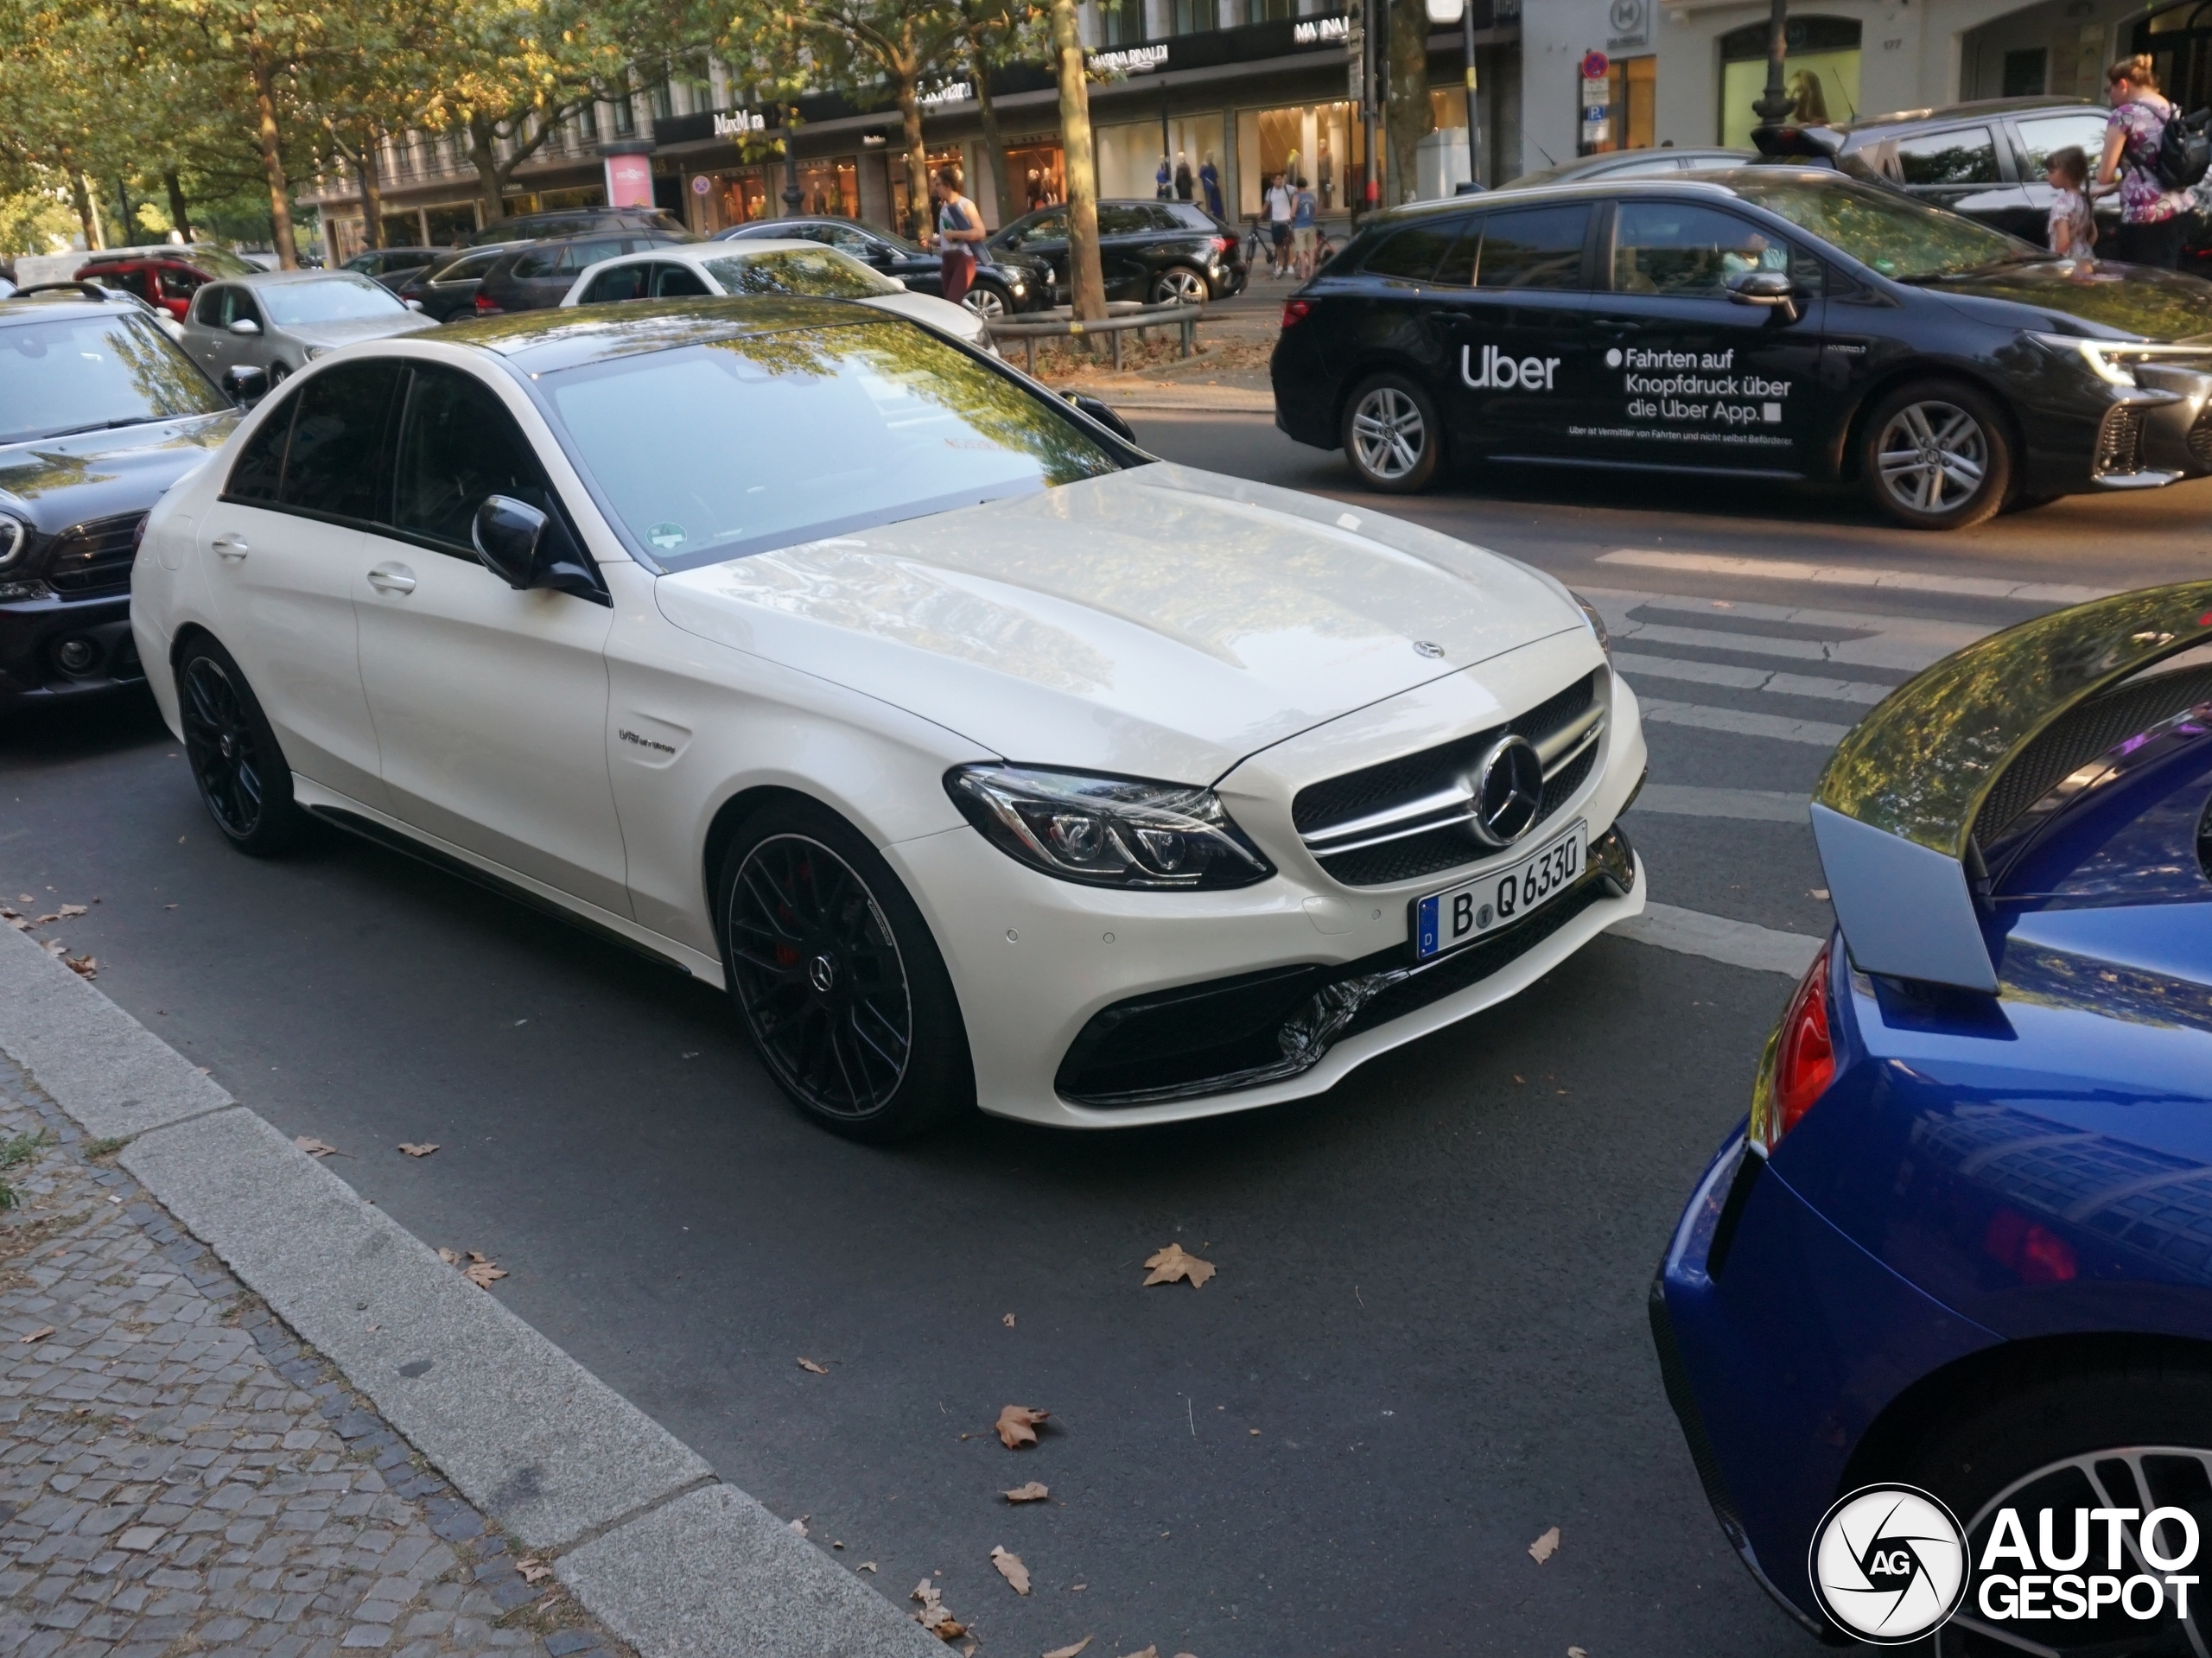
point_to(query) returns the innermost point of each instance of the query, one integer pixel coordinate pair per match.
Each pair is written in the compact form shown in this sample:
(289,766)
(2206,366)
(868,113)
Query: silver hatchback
(280,320)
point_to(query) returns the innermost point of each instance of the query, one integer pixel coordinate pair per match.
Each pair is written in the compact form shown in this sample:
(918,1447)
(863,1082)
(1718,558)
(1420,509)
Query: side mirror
(899,282)
(246,324)
(526,547)
(1769,288)
(246,385)
(1099,411)
(412,304)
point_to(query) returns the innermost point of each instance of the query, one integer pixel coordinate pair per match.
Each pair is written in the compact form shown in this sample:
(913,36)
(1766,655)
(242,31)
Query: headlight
(1597,623)
(14,534)
(1107,831)
(314,351)
(2113,361)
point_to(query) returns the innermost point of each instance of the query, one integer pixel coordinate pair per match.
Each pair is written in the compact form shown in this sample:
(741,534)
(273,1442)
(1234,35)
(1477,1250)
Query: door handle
(1620,330)
(393,578)
(230,547)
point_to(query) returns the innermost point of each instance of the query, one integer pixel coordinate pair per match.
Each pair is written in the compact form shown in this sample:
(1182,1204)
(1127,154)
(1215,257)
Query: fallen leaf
(1821,893)
(68,909)
(423,1150)
(1171,1263)
(1150,1652)
(1033,1492)
(1070,1652)
(836,1545)
(1007,1321)
(25,898)
(1545,1547)
(19,923)
(933,1616)
(866,1566)
(313,1147)
(46,920)
(533,1571)
(478,1255)
(482,1273)
(798,1526)
(1017,1426)
(1576,1652)
(1011,1568)
(54,947)
(810,1366)
(38,1335)
(1255,1432)
(451,1257)
(83,966)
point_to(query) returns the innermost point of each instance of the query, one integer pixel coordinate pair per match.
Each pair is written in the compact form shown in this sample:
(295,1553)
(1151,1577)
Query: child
(2073,231)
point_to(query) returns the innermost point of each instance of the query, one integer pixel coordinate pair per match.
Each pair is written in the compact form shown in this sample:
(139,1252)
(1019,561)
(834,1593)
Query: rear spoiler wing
(1894,813)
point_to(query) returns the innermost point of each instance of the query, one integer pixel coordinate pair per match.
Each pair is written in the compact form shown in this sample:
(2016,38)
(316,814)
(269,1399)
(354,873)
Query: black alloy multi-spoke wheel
(242,776)
(1938,456)
(840,984)
(1391,435)
(1181,285)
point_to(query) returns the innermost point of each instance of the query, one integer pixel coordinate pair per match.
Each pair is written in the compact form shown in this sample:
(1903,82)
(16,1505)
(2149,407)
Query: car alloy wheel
(224,749)
(1934,457)
(1179,285)
(986,302)
(820,977)
(1389,434)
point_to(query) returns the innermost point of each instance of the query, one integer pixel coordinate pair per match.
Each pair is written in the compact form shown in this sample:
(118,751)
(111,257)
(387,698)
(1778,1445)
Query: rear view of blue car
(1957,1265)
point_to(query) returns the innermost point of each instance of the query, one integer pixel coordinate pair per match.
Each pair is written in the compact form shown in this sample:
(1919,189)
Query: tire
(1181,285)
(2067,1431)
(237,765)
(1391,434)
(1937,455)
(841,987)
(990,301)
(278,373)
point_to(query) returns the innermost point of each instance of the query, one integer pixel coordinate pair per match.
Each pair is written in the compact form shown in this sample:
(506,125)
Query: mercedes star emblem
(1508,790)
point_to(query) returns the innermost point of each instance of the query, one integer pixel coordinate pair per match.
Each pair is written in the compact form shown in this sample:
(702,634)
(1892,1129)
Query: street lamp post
(1474,126)
(1775,105)
(792,196)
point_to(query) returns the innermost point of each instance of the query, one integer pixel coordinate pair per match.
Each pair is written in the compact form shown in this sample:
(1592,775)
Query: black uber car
(537,276)
(99,414)
(1156,252)
(1005,283)
(1780,321)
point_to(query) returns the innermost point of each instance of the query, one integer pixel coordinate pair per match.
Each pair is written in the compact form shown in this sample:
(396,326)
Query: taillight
(485,303)
(1800,1063)
(1295,311)
(1225,245)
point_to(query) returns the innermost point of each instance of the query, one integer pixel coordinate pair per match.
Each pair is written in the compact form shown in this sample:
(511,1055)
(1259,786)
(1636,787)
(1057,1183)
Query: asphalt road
(1425,1344)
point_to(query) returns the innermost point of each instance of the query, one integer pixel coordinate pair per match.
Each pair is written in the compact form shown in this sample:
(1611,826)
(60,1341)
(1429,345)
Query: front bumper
(42,640)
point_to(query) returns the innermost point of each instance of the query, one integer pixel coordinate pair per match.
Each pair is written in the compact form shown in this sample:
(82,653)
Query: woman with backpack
(2152,213)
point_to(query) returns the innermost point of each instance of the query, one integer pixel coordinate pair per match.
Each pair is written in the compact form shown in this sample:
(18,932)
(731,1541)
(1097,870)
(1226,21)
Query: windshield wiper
(96,426)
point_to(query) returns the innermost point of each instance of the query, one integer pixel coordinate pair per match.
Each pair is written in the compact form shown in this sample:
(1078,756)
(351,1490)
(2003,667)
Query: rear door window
(677,282)
(334,467)
(2040,135)
(1953,157)
(623,282)
(1534,247)
(1119,219)
(1413,253)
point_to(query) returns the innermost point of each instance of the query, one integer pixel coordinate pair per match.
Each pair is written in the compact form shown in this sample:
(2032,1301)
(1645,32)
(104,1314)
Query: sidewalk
(179,1474)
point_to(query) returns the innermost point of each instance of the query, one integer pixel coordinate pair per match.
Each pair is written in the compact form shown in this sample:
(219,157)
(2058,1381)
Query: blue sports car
(1961,1248)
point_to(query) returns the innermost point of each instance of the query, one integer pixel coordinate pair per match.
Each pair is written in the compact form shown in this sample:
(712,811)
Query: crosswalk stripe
(1739,943)
(1743,723)
(1944,635)
(1788,569)
(1755,806)
(1881,650)
(1749,679)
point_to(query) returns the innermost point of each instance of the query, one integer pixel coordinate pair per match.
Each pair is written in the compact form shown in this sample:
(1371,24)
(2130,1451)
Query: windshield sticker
(667,536)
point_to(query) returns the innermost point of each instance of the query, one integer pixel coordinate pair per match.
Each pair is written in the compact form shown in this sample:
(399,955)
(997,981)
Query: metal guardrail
(1123,315)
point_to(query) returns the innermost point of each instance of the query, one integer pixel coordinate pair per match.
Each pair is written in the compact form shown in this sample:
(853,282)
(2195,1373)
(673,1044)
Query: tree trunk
(484,153)
(1407,108)
(918,224)
(1086,277)
(178,216)
(86,217)
(269,136)
(1001,188)
(371,192)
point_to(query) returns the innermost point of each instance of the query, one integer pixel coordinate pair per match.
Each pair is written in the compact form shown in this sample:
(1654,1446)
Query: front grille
(2119,442)
(2200,440)
(95,556)
(1417,806)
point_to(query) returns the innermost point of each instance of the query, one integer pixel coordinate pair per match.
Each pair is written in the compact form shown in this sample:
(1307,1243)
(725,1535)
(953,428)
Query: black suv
(1005,283)
(1153,251)
(538,275)
(656,222)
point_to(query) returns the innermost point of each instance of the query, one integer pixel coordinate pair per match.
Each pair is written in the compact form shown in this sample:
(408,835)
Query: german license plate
(1460,915)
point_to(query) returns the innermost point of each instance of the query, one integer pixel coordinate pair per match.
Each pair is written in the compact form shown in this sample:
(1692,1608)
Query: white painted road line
(1940,636)
(1739,943)
(1754,805)
(1749,679)
(1886,649)
(1847,575)
(1819,732)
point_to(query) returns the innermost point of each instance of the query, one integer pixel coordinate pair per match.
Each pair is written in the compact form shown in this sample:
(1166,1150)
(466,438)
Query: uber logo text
(1503,373)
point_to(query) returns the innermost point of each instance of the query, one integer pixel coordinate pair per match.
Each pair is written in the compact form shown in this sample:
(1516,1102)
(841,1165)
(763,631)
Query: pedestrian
(1325,171)
(1304,215)
(2073,229)
(1182,175)
(960,233)
(2151,221)
(1163,181)
(1210,184)
(1280,206)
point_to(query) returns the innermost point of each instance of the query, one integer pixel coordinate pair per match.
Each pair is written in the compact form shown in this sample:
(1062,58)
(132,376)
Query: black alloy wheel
(240,771)
(841,986)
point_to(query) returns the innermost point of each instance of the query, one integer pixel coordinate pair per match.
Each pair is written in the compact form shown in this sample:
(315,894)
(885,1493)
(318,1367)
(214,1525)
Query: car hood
(1159,622)
(2118,301)
(368,327)
(58,481)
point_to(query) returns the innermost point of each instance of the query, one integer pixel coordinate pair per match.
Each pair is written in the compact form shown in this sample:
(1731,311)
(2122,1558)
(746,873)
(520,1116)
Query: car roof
(284,278)
(1716,184)
(700,252)
(23,307)
(539,342)
(1944,113)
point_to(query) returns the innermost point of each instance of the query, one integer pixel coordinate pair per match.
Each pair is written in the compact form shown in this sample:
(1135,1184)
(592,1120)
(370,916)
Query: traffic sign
(1594,65)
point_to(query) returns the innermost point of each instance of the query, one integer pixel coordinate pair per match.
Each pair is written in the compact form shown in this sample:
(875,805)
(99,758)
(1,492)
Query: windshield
(709,451)
(1902,238)
(74,373)
(335,298)
(821,271)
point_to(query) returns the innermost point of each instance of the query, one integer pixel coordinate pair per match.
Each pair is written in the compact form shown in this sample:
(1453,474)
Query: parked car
(1963,1240)
(1627,164)
(1006,282)
(760,267)
(392,266)
(537,276)
(655,222)
(886,715)
(281,321)
(164,274)
(1156,252)
(98,290)
(1778,320)
(448,289)
(99,413)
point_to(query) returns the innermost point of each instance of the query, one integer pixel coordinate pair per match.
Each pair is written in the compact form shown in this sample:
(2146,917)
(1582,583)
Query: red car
(167,274)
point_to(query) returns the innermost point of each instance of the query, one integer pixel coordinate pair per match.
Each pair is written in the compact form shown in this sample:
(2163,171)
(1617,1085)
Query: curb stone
(547,1451)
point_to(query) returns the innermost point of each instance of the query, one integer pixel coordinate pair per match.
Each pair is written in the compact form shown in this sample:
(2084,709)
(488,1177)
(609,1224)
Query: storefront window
(1632,103)
(1036,176)
(907,222)
(1129,154)
(1323,142)
(736,195)
(831,185)
(1820,70)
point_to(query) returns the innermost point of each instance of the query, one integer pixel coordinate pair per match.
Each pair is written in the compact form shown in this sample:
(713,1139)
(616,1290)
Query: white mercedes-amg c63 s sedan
(982,758)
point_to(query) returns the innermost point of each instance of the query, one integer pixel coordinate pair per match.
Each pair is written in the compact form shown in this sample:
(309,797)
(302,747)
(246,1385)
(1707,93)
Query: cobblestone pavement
(179,1475)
